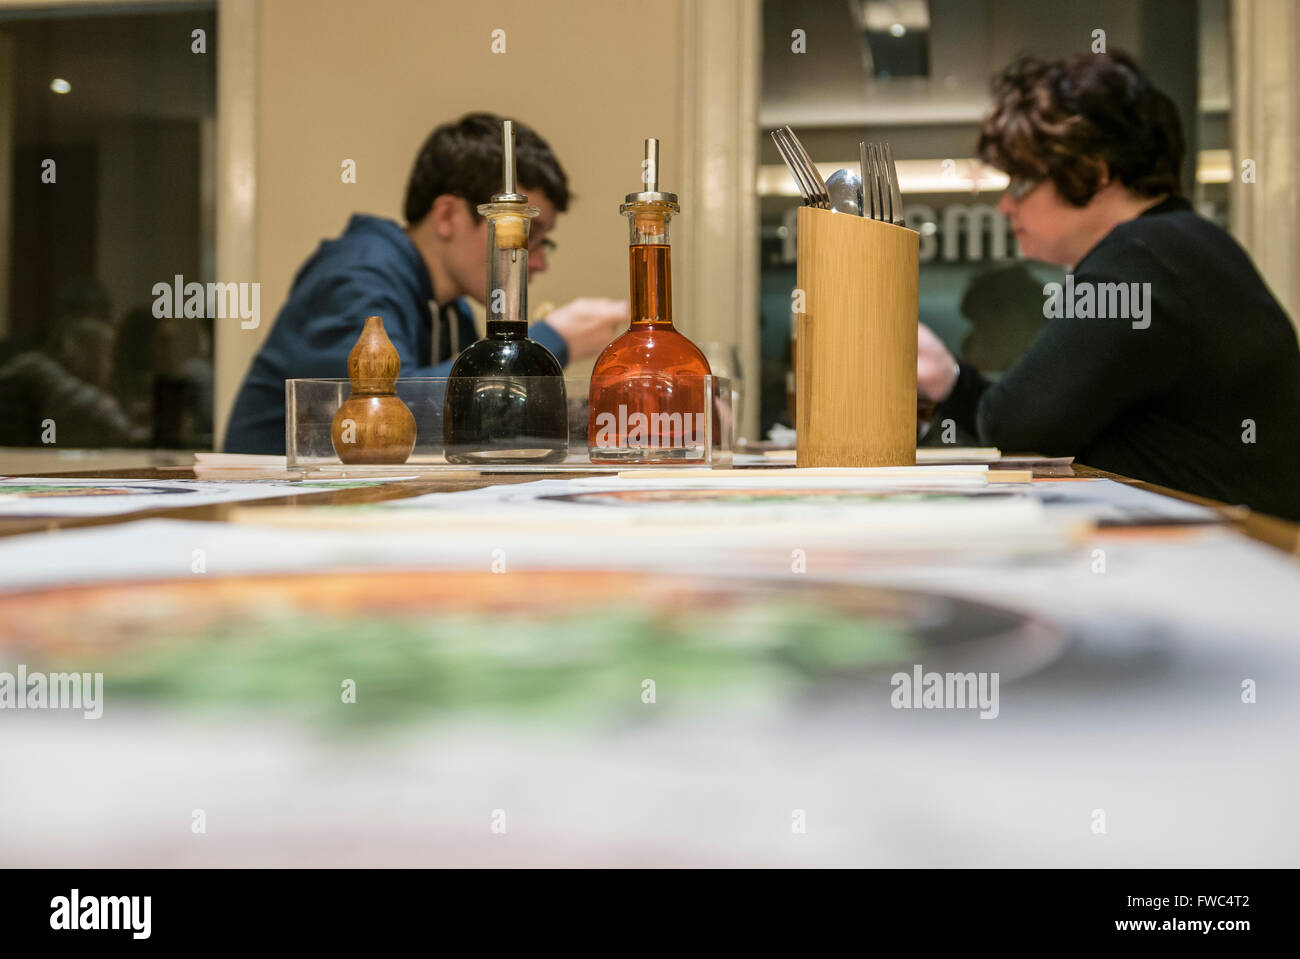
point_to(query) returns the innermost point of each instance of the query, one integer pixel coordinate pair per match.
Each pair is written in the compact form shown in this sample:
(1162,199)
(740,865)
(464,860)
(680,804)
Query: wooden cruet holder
(855,379)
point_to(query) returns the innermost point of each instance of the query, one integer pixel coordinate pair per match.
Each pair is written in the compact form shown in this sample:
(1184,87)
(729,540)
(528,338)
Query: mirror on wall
(107,152)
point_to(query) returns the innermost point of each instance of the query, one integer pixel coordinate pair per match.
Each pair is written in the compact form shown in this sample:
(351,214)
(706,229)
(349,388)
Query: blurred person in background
(163,377)
(1004,306)
(1196,385)
(62,390)
(409,275)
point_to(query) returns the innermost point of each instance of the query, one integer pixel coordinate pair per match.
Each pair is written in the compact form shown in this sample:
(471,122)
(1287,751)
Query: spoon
(845,189)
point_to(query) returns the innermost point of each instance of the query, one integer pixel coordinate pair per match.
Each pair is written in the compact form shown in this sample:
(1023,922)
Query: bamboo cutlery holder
(855,368)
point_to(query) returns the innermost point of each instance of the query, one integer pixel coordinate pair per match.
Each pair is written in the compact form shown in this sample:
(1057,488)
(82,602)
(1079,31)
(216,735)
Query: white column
(1265,215)
(715,270)
(236,206)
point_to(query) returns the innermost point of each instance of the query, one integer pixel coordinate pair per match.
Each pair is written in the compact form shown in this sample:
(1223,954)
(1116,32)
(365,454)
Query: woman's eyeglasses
(1020,187)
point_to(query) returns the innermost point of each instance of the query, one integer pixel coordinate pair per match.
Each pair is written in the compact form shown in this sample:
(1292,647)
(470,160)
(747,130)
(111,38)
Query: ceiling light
(60,85)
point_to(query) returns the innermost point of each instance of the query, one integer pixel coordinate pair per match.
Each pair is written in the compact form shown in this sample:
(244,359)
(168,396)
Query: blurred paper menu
(105,496)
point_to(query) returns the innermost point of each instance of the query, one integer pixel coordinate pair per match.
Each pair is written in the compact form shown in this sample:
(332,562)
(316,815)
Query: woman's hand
(936,370)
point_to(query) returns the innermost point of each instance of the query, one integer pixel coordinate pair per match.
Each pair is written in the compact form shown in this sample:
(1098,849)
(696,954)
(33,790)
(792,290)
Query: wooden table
(1275,532)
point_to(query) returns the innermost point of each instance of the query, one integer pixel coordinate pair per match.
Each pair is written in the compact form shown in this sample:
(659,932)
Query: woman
(1164,356)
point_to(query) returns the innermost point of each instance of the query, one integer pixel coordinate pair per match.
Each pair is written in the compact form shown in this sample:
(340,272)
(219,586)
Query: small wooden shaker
(373,426)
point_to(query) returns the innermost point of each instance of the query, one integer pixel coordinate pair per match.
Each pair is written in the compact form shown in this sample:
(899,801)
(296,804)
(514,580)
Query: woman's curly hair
(1062,120)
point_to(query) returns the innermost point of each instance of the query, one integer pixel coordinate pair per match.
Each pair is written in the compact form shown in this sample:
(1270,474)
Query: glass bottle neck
(507,304)
(650,265)
(507,293)
(652,285)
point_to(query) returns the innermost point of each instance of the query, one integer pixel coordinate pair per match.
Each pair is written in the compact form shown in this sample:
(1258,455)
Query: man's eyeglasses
(1020,187)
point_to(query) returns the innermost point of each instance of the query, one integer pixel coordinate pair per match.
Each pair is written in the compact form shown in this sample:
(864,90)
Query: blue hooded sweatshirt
(373,269)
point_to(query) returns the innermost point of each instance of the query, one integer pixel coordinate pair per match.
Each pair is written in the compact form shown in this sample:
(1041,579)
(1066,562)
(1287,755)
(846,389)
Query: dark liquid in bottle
(506,402)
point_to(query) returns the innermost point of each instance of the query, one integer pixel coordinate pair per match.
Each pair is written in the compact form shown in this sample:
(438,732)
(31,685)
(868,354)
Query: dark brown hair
(1061,120)
(464,159)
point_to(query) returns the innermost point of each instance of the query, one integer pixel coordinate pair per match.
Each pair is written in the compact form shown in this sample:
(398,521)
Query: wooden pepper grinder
(373,426)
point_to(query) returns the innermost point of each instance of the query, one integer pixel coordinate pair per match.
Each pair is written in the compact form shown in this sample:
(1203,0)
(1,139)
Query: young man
(415,277)
(1164,356)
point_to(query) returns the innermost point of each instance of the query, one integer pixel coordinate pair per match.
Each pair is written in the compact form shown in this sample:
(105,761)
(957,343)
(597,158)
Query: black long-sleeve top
(1201,395)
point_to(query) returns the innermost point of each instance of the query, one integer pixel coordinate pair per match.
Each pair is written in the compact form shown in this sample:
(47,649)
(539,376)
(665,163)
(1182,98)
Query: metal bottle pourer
(510,189)
(509,210)
(650,177)
(650,209)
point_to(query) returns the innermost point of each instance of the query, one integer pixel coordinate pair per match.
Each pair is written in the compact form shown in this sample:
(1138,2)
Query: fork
(870,181)
(807,186)
(820,194)
(811,184)
(895,189)
(880,183)
(882,177)
(793,166)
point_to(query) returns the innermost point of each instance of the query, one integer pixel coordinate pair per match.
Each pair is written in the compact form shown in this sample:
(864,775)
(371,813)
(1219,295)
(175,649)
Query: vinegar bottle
(505,396)
(649,393)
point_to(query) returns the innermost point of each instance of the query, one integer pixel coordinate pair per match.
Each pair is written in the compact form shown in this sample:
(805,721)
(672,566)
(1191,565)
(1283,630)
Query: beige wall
(338,79)
(1265,211)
